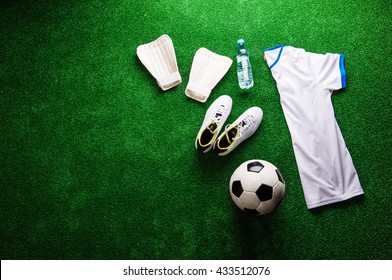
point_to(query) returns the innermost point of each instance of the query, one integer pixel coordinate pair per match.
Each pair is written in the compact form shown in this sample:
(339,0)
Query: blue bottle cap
(240,42)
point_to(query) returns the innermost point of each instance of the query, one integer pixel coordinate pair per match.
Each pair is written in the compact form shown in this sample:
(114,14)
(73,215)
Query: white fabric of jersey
(305,82)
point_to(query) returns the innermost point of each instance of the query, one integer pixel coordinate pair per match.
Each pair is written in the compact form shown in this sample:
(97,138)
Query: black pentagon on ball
(264,192)
(255,166)
(237,188)
(251,211)
(280,177)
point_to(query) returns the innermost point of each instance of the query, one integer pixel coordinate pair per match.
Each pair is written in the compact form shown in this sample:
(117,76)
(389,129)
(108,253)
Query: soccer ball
(256,186)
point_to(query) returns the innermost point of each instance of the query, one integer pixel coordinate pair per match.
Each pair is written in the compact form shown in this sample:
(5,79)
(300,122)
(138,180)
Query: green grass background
(98,163)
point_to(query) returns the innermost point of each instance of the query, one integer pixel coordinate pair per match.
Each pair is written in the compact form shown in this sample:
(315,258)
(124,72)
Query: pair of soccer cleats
(234,134)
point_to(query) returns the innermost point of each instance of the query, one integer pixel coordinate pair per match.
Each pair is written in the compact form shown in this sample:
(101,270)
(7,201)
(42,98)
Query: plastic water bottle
(244,69)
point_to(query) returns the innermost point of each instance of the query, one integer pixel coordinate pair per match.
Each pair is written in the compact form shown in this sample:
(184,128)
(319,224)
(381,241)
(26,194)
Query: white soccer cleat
(240,130)
(207,70)
(160,60)
(214,119)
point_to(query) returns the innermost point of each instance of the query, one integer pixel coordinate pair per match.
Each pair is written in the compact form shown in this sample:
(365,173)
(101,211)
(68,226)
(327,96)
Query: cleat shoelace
(242,126)
(217,118)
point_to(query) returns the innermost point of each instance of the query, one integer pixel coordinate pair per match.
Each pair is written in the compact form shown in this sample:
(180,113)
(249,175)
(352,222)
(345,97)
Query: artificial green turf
(98,163)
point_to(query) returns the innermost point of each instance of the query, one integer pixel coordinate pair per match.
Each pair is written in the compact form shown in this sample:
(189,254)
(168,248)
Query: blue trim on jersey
(342,71)
(280,53)
(273,48)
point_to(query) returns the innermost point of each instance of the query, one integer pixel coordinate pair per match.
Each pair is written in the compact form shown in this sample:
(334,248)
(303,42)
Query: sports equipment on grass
(99,163)
(208,68)
(306,81)
(240,130)
(160,60)
(244,68)
(214,119)
(256,186)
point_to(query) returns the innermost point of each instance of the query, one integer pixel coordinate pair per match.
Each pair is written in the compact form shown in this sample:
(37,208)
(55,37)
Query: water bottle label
(244,65)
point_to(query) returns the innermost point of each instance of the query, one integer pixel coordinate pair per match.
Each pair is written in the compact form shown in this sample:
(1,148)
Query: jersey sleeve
(329,70)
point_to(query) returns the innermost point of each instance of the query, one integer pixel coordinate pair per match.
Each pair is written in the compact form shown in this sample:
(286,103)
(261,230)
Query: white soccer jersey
(305,82)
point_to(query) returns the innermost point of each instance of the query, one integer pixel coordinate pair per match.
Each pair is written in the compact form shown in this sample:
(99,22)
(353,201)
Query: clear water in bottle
(244,69)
